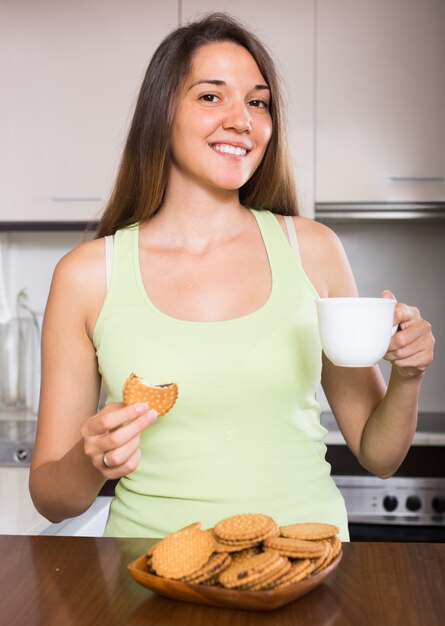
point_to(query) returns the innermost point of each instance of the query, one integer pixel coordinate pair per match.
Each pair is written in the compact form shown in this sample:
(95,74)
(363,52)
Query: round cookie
(296,548)
(244,528)
(183,552)
(161,398)
(251,570)
(323,560)
(299,570)
(310,531)
(269,580)
(217,563)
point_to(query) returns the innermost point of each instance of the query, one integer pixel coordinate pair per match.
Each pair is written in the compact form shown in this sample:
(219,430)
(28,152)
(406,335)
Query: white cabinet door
(287,28)
(70,73)
(380,103)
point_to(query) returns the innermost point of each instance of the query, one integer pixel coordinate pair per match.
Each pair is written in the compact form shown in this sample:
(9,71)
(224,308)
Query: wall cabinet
(364,88)
(70,74)
(287,28)
(380,101)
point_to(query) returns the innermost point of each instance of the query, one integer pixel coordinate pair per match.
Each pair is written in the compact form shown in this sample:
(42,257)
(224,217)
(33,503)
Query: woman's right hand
(111,438)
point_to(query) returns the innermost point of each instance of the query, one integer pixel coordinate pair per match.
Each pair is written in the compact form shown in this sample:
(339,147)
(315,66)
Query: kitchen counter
(80,580)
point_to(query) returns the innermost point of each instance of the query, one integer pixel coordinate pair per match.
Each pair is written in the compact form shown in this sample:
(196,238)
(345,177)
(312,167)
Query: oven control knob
(390,503)
(439,504)
(21,454)
(413,503)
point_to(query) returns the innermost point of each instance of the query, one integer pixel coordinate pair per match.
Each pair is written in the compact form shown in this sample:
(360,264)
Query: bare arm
(67,469)
(394,421)
(377,423)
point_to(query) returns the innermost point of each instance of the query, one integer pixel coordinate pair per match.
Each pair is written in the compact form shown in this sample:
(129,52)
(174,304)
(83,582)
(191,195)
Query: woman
(206,292)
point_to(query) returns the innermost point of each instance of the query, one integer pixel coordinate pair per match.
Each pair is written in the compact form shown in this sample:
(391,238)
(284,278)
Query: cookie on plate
(183,552)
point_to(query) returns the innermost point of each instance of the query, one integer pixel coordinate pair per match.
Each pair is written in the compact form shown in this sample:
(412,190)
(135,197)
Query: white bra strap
(290,225)
(108,257)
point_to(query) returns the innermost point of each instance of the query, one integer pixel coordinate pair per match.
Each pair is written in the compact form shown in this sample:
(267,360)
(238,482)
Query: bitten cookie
(161,398)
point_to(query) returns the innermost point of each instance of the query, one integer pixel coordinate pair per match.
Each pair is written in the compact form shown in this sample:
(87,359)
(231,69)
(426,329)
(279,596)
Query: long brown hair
(142,177)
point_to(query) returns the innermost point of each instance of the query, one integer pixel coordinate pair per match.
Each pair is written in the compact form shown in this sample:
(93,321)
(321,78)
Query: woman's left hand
(411,347)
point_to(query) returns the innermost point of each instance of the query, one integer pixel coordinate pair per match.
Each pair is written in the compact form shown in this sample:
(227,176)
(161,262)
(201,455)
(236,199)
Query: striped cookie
(233,549)
(323,560)
(299,570)
(295,548)
(251,570)
(268,581)
(336,548)
(242,555)
(215,565)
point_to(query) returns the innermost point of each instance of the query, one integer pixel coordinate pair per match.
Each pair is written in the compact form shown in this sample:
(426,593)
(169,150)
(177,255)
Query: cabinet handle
(75,198)
(418,179)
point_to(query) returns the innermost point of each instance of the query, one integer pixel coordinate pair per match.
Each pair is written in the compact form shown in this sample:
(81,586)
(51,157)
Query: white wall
(29,260)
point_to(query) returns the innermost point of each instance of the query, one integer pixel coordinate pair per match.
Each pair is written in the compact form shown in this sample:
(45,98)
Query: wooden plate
(226,598)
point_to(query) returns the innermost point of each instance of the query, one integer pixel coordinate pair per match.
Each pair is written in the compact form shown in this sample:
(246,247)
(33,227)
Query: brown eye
(209,97)
(259,104)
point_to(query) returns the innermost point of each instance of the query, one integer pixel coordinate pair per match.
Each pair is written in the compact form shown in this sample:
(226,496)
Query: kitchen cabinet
(380,101)
(70,75)
(18,515)
(287,28)
(364,89)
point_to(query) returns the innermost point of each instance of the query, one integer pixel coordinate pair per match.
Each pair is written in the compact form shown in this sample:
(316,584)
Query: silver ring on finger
(104,461)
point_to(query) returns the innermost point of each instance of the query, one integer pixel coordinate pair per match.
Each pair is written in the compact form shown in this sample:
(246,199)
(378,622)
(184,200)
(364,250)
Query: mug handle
(395,328)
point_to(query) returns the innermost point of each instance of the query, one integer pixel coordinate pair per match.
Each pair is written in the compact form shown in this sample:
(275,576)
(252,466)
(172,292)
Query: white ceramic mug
(355,332)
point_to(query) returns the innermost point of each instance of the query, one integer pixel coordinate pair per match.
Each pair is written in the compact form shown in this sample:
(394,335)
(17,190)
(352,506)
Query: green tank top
(245,432)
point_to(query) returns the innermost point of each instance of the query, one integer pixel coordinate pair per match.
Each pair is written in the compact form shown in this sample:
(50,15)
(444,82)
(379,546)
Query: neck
(197,218)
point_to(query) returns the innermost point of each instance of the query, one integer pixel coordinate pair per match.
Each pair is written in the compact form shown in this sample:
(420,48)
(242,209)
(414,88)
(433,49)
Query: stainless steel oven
(409,506)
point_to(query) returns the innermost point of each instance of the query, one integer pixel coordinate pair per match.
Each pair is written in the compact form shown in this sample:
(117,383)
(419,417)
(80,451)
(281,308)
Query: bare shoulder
(79,262)
(312,233)
(324,258)
(79,280)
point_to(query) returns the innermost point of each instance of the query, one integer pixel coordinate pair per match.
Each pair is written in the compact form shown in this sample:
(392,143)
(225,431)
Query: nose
(238,118)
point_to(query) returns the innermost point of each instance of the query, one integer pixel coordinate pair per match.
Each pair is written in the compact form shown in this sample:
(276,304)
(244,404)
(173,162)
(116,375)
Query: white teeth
(227,149)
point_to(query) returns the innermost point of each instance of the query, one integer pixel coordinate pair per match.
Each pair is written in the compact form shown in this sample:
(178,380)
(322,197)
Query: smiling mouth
(225,148)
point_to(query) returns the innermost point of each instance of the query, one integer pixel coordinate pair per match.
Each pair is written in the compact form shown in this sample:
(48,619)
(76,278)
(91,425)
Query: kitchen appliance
(17,364)
(17,440)
(409,506)
(20,363)
(380,211)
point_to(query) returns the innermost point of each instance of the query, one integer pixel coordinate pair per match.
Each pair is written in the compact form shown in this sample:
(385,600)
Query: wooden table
(79,581)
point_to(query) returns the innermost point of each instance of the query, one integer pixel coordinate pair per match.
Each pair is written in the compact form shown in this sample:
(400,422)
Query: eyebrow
(220,83)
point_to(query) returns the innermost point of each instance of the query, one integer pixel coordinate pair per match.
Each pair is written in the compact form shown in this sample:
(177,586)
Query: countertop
(82,580)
